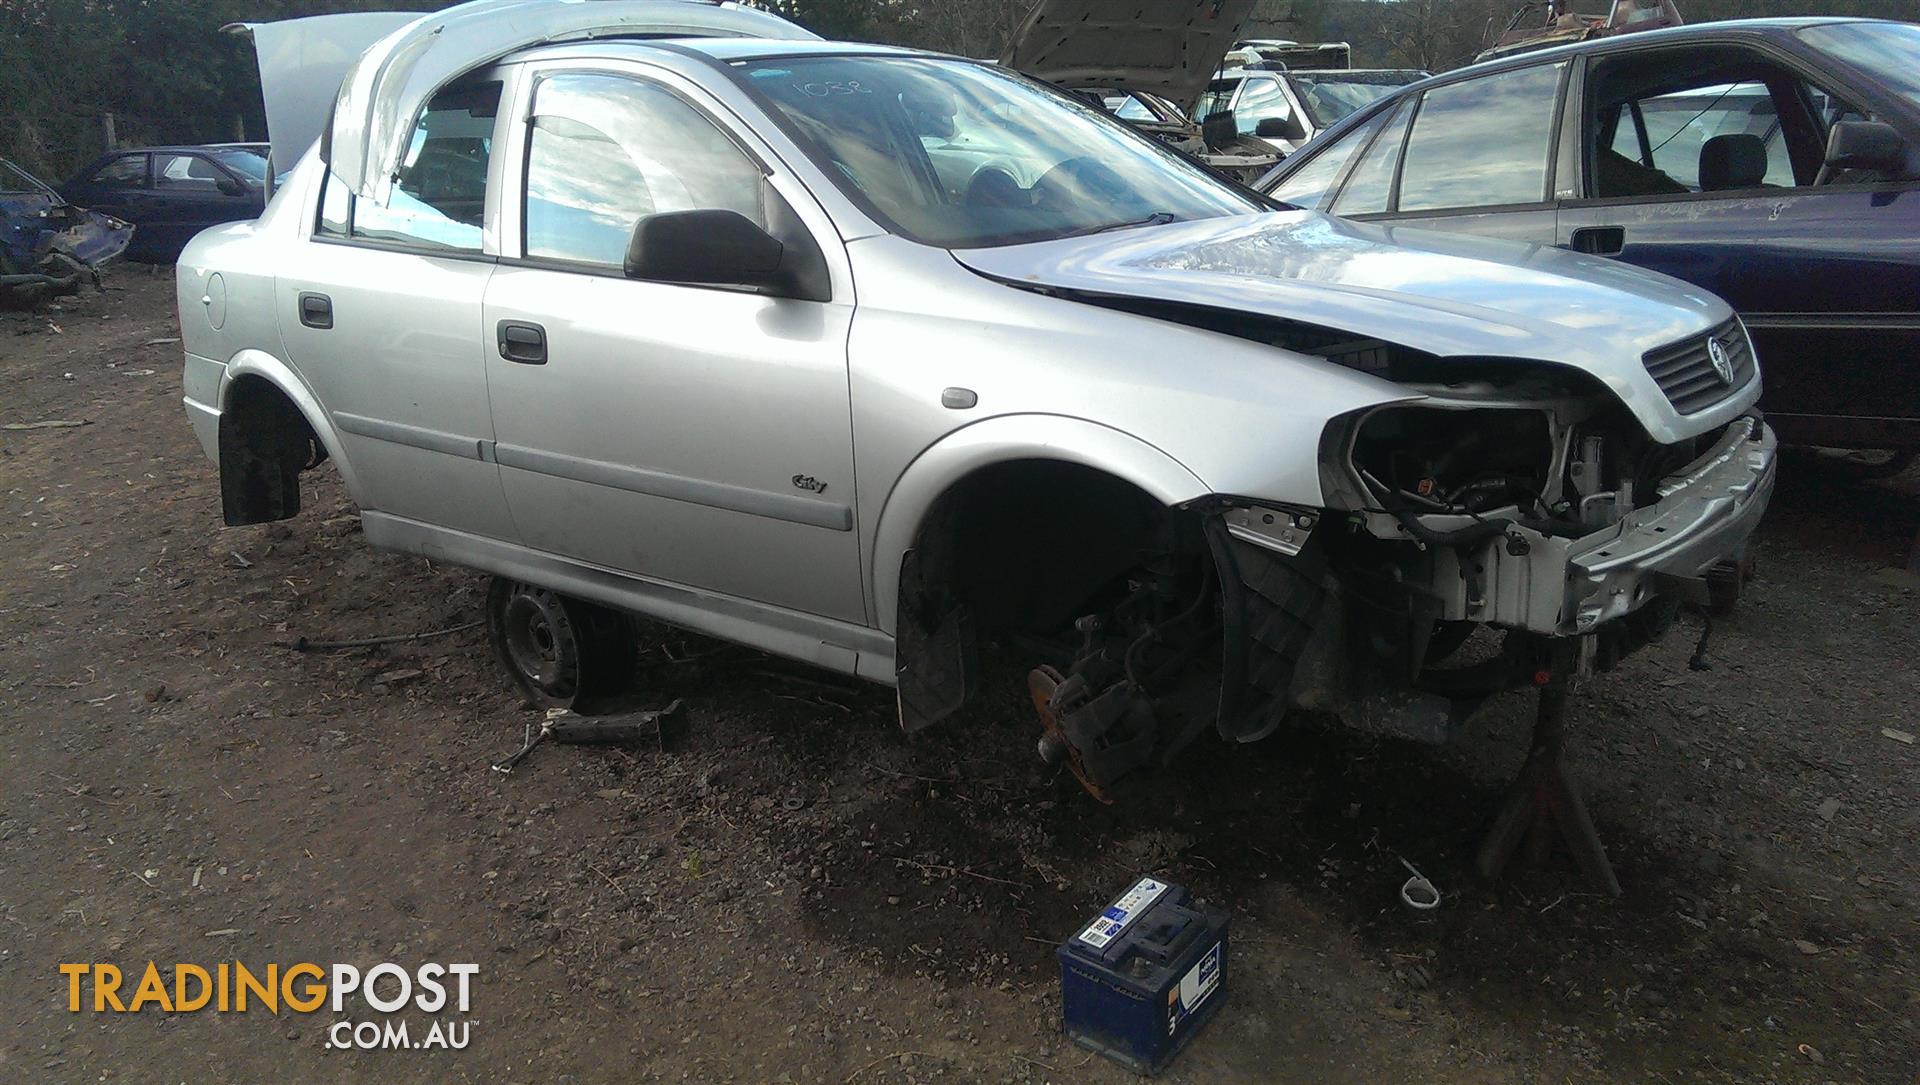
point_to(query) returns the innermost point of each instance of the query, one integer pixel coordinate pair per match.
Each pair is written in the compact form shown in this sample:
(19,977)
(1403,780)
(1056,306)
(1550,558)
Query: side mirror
(1287,128)
(1865,145)
(713,248)
(229,187)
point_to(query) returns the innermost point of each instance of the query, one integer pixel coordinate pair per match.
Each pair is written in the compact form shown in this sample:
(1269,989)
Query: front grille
(1686,373)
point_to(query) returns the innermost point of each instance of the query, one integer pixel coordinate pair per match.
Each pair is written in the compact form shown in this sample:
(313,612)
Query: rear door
(382,317)
(691,435)
(1478,158)
(1702,163)
(117,187)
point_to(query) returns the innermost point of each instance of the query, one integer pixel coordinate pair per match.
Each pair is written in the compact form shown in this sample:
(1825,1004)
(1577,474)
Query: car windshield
(963,155)
(245,163)
(1331,97)
(1889,52)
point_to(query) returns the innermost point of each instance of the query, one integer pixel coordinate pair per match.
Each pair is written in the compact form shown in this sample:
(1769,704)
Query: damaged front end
(1516,498)
(48,247)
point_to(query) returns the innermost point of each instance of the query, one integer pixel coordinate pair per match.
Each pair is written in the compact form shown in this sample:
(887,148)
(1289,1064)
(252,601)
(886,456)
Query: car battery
(1144,976)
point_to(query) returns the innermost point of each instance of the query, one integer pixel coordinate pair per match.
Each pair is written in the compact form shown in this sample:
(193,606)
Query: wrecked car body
(1199,462)
(48,247)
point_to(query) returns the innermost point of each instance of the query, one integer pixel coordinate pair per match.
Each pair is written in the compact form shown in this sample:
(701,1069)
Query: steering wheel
(1076,181)
(995,187)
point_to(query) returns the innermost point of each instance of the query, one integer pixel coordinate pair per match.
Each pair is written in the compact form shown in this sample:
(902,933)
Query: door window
(607,151)
(1680,135)
(1483,143)
(127,171)
(185,173)
(1370,190)
(1715,118)
(439,200)
(1309,186)
(1217,98)
(1262,99)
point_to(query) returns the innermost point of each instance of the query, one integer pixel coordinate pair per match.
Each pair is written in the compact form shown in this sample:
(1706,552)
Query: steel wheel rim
(541,644)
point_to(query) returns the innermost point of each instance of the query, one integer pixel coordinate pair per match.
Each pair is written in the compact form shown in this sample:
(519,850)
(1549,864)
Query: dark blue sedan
(1775,163)
(171,193)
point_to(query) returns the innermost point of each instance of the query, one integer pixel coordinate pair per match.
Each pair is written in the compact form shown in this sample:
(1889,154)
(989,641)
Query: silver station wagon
(900,364)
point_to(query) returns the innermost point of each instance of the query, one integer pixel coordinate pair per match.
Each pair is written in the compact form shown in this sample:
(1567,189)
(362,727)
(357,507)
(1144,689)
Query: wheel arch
(948,464)
(251,368)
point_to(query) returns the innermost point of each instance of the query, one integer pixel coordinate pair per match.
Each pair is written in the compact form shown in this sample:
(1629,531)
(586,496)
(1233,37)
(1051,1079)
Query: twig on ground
(305,645)
(888,1058)
(942,868)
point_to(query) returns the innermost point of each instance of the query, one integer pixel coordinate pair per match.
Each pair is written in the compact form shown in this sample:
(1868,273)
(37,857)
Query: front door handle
(523,343)
(316,311)
(1599,240)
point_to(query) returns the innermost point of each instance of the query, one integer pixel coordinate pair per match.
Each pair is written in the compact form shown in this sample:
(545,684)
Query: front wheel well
(265,443)
(1027,543)
(1013,551)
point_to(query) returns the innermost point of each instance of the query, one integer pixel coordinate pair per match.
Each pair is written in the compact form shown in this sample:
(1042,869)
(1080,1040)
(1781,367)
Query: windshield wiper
(1158,218)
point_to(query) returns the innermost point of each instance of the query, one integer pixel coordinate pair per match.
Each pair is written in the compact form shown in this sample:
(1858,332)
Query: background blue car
(172,193)
(1773,162)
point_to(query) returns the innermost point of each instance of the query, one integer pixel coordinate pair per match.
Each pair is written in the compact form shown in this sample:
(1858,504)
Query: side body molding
(1004,439)
(258,363)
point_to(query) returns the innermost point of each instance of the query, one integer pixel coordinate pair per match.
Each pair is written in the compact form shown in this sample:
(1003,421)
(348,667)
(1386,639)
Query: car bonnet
(1169,47)
(1449,295)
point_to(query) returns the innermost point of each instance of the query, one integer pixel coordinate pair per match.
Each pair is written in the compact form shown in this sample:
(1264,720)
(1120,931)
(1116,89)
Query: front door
(690,435)
(1704,163)
(191,193)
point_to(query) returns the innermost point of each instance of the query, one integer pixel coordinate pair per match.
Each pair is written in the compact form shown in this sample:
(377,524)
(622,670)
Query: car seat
(1733,161)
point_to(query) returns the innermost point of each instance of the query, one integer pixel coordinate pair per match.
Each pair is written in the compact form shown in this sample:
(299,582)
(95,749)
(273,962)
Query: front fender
(1005,439)
(258,363)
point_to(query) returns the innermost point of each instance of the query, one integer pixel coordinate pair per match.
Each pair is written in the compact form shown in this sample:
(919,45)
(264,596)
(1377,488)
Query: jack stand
(1545,798)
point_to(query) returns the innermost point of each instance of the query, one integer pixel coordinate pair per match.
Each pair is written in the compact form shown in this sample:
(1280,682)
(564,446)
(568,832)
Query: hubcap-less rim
(541,643)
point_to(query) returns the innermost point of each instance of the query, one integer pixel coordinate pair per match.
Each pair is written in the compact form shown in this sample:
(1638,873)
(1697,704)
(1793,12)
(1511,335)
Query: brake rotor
(1053,696)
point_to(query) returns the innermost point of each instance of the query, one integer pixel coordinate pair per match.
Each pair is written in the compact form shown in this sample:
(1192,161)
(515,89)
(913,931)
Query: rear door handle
(523,343)
(316,311)
(1599,240)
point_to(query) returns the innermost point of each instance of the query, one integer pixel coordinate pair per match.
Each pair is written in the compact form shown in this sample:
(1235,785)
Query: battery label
(1122,912)
(1199,982)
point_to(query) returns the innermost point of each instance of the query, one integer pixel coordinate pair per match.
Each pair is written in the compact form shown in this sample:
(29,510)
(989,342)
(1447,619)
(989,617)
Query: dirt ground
(785,889)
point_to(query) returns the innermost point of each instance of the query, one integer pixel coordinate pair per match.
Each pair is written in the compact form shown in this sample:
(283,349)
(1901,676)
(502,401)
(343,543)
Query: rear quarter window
(1309,186)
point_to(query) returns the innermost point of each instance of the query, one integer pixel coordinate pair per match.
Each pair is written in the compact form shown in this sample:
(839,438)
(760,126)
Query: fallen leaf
(1806,947)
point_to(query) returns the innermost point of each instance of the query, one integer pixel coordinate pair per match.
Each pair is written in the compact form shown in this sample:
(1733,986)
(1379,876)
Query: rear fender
(258,363)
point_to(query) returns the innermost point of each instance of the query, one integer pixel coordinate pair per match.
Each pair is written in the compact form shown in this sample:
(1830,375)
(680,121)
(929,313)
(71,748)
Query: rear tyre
(559,651)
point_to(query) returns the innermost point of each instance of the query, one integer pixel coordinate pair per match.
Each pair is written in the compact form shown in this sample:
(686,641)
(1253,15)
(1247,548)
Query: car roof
(1720,30)
(1757,28)
(177,148)
(722,50)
